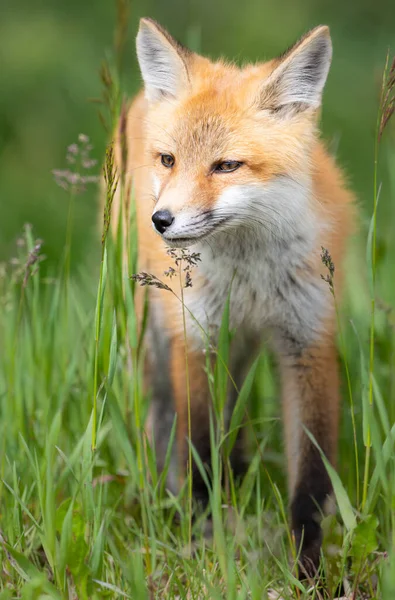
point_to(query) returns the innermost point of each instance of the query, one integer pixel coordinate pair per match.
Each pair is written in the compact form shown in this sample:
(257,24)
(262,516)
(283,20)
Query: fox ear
(299,77)
(162,60)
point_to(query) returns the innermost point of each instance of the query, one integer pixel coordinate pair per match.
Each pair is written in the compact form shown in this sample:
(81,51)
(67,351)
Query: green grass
(84,512)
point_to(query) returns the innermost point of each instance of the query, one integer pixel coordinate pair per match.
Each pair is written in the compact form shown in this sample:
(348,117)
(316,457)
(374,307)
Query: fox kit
(228,162)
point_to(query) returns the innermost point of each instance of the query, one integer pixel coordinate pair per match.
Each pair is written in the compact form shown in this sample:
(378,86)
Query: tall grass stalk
(329,278)
(111,181)
(372,241)
(188,392)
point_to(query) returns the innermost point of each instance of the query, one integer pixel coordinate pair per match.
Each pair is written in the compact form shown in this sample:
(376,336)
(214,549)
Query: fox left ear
(162,60)
(298,79)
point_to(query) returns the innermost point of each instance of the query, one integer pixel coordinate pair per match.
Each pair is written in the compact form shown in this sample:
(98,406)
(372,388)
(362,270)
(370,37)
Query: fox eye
(227,166)
(167,160)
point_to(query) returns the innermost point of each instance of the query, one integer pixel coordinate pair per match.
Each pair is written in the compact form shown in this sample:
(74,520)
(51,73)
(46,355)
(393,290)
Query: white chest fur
(272,284)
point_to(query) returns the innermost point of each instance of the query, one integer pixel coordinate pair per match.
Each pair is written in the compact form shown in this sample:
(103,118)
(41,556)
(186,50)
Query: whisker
(139,167)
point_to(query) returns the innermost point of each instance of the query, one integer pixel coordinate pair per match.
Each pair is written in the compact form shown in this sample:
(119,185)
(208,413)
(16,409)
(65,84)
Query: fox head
(230,147)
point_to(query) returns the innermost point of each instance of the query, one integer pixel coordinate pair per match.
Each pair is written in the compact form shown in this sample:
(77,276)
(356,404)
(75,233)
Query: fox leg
(310,400)
(167,377)
(193,421)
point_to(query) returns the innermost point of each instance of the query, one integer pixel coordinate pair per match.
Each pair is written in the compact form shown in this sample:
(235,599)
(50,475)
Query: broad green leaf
(66,546)
(239,409)
(96,558)
(342,498)
(364,540)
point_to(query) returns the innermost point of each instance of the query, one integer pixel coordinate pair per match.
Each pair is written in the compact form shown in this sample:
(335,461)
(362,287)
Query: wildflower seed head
(84,139)
(123,139)
(72,154)
(75,179)
(179,256)
(188,280)
(33,258)
(184,255)
(88,163)
(185,259)
(147,279)
(73,149)
(109,96)
(170,272)
(29,256)
(327,261)
(105,76)
(111,179)
(387,104)
(74,182)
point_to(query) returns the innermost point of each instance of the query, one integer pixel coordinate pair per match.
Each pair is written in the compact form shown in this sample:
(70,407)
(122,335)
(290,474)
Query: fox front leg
(310,384)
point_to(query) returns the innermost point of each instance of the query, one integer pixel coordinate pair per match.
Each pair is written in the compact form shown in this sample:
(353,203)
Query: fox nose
(162,219)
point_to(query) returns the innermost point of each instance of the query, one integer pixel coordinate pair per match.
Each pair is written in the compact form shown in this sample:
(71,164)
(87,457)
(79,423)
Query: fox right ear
(162,60)
(299,77)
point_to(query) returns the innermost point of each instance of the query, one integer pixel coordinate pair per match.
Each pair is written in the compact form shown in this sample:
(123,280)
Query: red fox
(228,162)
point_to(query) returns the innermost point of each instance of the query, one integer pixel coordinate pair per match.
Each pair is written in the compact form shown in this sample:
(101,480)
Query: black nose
(162,219)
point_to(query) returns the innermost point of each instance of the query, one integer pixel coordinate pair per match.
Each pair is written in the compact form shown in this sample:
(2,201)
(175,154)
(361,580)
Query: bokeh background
(50,56)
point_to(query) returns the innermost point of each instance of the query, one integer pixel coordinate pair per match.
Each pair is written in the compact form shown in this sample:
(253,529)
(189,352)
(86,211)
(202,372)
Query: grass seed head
(387,105)
(327,261)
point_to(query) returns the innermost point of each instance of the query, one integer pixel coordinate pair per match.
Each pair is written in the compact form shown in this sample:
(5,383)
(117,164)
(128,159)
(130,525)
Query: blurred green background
(50,56)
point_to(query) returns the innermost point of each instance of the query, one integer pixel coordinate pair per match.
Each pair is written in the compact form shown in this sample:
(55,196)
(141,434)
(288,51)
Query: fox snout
(162,219)
(182,227)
